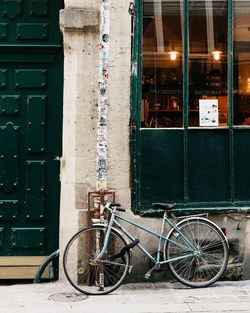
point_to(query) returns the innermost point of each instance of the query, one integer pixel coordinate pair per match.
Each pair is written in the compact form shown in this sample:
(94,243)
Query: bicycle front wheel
(96,277)
(209,251)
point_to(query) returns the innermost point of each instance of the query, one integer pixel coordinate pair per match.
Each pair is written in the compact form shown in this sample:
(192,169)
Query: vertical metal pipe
(102,149)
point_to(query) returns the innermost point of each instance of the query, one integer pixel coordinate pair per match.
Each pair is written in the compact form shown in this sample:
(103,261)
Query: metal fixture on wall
(96,200)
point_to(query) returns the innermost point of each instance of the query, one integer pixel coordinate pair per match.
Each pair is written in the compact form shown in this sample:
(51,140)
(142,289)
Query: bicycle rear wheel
(95,277)
(210,259)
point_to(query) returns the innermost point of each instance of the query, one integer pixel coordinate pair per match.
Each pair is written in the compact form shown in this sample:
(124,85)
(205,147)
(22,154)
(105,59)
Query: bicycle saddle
(164,206)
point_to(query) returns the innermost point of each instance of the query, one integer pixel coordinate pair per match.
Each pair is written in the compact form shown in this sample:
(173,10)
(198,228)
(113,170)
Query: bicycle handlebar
(116,206)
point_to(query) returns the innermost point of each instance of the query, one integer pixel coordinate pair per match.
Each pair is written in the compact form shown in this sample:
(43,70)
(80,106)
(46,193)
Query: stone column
(79,22)
(80,28)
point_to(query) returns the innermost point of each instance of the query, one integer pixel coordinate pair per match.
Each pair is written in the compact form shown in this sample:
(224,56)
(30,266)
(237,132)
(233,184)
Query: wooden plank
(21,260)
(21,272)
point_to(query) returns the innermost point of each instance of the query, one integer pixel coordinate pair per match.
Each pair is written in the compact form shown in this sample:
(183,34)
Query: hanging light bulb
(173,55)
(216,55)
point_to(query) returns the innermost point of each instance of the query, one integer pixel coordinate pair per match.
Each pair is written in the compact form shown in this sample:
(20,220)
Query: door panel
(31,75)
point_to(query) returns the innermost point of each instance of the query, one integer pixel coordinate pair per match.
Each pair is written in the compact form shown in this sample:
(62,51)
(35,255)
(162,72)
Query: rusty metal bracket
(96,201)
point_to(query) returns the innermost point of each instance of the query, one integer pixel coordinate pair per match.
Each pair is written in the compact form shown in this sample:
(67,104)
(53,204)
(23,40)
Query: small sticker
(101,185)
(81,270)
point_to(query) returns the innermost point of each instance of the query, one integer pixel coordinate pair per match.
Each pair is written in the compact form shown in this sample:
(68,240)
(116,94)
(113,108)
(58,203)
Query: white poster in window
(209,112)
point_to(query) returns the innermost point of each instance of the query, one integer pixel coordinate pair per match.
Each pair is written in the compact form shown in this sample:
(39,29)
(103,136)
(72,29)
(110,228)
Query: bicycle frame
(113,220)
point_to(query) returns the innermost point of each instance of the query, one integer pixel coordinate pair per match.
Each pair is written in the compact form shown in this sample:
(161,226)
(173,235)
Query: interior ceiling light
(173,55)
(216,55)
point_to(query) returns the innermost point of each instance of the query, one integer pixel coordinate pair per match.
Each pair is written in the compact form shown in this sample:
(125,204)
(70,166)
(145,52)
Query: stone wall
(79,23)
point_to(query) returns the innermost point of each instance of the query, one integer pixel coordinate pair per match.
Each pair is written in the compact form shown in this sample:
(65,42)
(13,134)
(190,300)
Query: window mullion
(230,97)
(185,96)
(185,64)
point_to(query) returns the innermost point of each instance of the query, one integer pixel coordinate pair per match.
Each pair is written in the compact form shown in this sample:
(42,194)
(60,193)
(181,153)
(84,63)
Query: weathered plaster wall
(81,38)
(119,98)
(79,24)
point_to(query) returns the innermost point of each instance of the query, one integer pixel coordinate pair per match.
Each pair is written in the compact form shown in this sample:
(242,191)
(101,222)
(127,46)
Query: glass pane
(162,64)
(208,100)
(241,65)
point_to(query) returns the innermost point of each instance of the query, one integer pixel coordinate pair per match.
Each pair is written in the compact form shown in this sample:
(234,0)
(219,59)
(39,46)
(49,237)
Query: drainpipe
(102,148)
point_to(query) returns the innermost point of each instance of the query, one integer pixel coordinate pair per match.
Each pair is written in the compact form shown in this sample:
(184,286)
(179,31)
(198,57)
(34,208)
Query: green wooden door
(31,65)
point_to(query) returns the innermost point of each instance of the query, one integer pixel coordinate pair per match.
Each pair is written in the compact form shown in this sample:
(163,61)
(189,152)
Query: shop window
(193,89)
(162,59)
(241,63)
(208,96)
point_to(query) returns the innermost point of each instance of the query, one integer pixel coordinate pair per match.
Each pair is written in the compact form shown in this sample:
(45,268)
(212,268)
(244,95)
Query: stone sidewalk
(60,297)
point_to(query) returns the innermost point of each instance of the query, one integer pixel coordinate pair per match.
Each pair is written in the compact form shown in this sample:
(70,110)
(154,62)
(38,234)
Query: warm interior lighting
(248,84)
(216,55)
(173,55)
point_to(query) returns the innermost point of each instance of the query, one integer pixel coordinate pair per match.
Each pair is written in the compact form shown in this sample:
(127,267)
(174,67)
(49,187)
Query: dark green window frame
(136,94)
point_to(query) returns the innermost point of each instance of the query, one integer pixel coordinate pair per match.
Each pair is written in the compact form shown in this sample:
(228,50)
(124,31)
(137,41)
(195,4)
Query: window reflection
(241,67)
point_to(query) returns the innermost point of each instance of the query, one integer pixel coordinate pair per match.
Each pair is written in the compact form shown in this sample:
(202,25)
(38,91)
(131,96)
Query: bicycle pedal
(147,275)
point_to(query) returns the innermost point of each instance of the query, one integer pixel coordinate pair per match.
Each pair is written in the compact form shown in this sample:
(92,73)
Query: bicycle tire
(100,277)
(210,261)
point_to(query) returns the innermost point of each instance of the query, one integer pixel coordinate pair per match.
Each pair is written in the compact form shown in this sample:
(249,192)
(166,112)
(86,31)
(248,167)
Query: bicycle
(97,259)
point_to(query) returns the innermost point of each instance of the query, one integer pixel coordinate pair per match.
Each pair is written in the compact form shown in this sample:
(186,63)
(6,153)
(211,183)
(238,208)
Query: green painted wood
(9,152)
(185,97)
(27,238)
(30,78)
(213,161)
(8,210)
(9,104)
(161,166)
(31,84)
(1,237)
(3,78)
(208,165)
(36,123)
(242,165)
(230,100)
(32,31)
(12,8)
(136,76)
(39,7)
(35,193)
(34,20)
(3,31)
